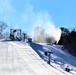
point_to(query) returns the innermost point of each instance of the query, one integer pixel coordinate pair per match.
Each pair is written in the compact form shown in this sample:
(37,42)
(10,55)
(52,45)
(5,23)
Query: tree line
(68,40)
(3,27)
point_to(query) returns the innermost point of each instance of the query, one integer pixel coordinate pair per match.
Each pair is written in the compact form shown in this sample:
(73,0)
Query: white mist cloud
(45,30)
(40,25)
(29,20)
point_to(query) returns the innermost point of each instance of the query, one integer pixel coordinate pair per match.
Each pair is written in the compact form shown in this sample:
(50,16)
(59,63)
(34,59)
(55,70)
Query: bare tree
(3,26)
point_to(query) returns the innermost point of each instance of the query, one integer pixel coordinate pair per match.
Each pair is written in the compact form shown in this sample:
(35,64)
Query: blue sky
(26,14)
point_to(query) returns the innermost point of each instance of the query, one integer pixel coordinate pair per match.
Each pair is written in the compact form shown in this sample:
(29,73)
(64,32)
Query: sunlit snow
(21,58)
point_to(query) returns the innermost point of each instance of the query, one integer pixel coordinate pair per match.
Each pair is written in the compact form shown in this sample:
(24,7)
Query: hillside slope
(18,58)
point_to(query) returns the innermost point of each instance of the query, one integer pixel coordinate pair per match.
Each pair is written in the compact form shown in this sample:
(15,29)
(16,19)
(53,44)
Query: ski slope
(20,58)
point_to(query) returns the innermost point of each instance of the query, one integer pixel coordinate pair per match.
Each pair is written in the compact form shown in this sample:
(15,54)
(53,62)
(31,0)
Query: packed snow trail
(59,59)
(17,58)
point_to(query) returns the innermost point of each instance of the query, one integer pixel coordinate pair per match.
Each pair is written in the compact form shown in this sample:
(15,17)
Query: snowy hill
(20,58)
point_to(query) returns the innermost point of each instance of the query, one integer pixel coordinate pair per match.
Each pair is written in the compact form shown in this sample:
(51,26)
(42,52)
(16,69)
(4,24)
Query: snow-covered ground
(20,58)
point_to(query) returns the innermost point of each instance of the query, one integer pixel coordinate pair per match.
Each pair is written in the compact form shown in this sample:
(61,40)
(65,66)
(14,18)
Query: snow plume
(44,30)
(40,25)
